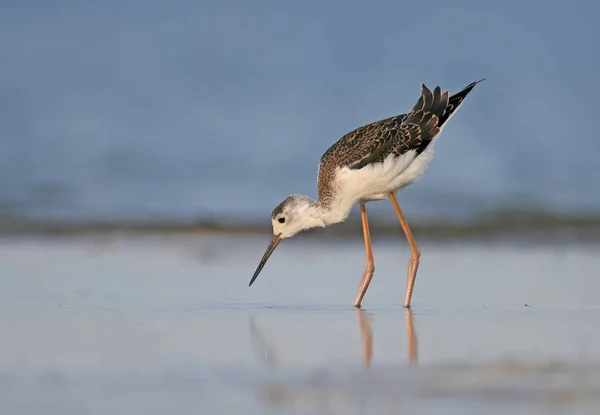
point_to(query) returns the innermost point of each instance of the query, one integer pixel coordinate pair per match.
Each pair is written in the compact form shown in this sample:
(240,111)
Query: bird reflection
(319,390)
(261,345)
(367,333)
(411,338)
(364,325)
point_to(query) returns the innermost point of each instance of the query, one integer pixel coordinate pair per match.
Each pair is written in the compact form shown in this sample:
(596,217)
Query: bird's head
(295,214)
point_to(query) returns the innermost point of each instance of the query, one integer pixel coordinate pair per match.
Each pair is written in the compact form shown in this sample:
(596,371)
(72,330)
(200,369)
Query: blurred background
(213,111)
(163,116)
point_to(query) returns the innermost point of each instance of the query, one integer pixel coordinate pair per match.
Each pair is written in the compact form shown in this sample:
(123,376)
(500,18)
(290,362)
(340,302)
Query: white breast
(374,182)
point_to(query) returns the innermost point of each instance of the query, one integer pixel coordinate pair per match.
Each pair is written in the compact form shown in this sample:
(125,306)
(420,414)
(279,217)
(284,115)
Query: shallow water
(169,324)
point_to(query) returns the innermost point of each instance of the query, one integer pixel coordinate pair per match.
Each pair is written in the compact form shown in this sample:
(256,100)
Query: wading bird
(373,162)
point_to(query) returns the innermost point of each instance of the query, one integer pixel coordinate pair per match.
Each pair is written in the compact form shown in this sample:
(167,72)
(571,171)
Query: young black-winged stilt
(370,163)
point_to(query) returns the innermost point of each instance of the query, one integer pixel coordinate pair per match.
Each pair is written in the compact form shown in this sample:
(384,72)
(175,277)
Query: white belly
(376,181)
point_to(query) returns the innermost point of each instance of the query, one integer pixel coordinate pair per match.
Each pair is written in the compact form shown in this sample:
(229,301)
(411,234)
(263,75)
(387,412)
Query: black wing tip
(472,85)
(465,91)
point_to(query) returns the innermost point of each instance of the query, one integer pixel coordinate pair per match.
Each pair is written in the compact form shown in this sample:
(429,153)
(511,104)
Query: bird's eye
(281,220)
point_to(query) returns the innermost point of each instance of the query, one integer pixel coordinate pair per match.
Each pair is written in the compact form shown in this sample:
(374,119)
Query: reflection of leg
(269,391)
(367,333)
(370,269)
(262,346)
(413,262)
(411,337)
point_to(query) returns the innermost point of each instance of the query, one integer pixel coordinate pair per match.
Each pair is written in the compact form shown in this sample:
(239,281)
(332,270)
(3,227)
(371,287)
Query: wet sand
(169,325)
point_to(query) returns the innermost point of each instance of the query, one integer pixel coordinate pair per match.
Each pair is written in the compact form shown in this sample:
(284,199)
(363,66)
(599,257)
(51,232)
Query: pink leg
(413,262)
(370,269)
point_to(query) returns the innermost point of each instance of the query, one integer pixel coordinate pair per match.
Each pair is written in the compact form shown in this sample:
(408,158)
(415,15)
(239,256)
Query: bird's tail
(434,109)
(455,101)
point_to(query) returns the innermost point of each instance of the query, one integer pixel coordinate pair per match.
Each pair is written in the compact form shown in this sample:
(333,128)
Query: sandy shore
(164,325)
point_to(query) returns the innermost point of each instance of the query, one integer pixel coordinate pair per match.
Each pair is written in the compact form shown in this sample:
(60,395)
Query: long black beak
(272,245)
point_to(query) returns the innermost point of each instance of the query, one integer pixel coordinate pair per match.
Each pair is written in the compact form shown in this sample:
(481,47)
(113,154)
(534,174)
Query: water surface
(169,324)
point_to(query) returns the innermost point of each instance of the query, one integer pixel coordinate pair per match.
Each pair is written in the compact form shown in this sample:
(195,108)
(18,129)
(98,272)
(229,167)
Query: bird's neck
(323,213)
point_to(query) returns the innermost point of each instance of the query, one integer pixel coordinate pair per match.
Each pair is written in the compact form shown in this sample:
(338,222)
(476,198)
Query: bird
(371,163)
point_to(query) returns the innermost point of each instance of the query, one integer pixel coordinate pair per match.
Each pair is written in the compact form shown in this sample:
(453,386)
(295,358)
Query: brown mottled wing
(398,135)
(397,138)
